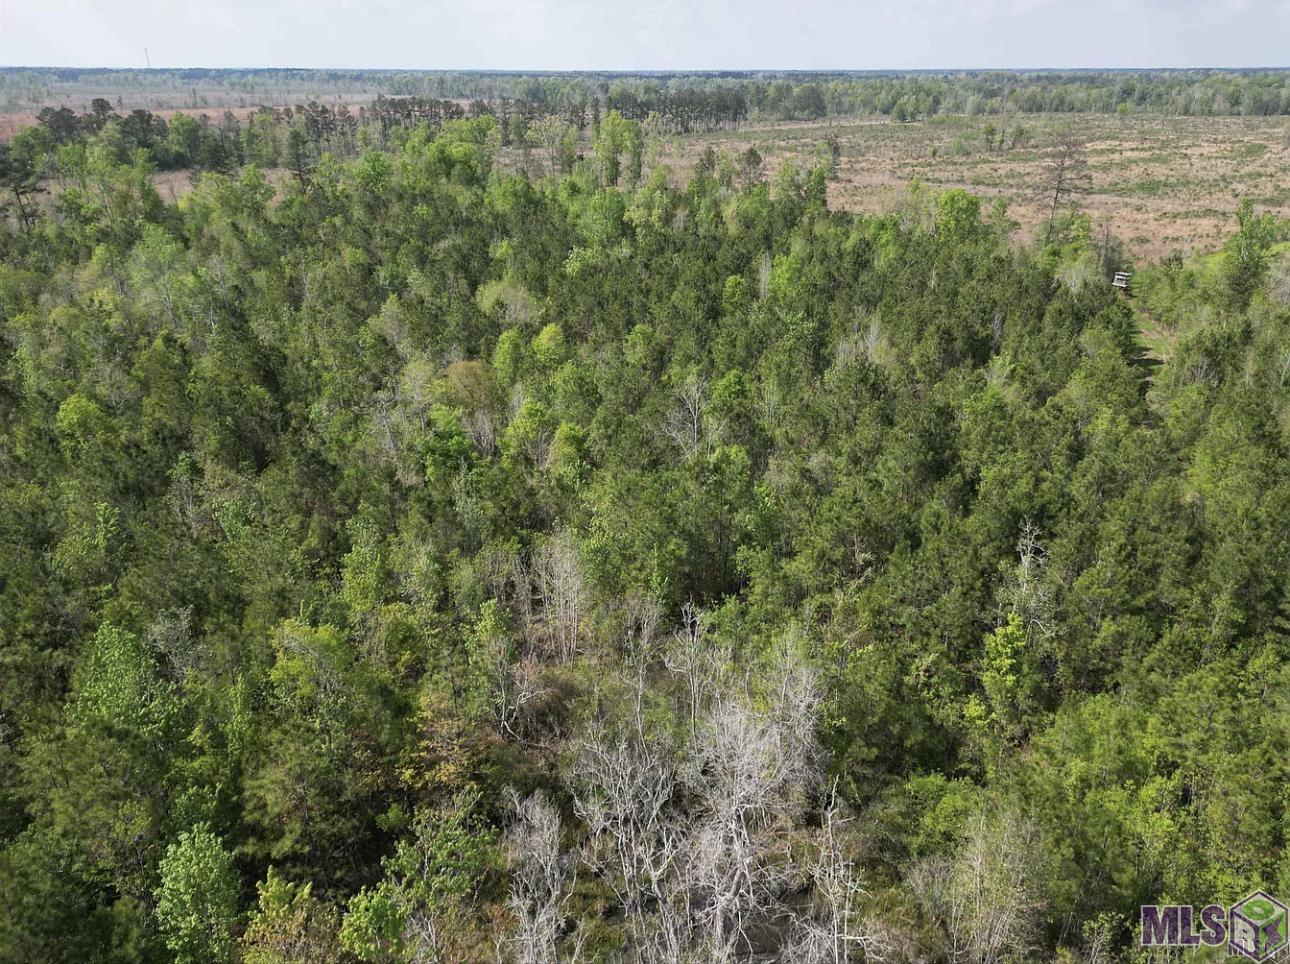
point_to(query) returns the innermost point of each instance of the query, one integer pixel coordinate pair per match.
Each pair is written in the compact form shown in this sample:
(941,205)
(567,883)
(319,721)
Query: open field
(24,94)
(1160,183)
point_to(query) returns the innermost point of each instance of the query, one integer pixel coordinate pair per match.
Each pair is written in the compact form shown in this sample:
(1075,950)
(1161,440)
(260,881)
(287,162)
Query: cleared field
(1160,183)
(23,96)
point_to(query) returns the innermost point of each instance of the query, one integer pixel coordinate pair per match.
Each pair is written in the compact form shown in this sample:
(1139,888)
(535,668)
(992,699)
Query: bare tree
(769,404)
(750,770)
(743,772)
(693,848)
(1066,175)
(398,415)
(833,930)
(423,938)
(764,266)
(553,133)
(623,791)
(794,709)
(693,840)
(1099,940)
(514,683)
(988,895)
(558,579)
(640,616)
(482,431)
(1026,593)
(684,423)
(540,880)
(171,635)
(699,664)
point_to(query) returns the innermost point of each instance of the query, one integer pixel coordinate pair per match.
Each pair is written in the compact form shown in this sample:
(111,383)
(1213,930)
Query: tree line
(698,100)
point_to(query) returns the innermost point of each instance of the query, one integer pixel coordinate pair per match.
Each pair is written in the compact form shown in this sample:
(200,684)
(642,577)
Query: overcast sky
(628,35)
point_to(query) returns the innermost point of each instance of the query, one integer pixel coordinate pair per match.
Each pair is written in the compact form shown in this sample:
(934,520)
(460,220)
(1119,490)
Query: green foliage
(958,215)
(448,449)
(430,875)
(373,926)
(1246,253)
(197,900)
(1006,676)
(619,136)
(287,925)
(117,683)
(548,348)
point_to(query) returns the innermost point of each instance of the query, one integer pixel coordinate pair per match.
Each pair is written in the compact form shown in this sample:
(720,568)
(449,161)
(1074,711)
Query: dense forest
(420,561)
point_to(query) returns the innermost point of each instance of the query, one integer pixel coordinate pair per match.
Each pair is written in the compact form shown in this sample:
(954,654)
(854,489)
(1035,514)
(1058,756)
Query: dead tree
(684,424)
(744,772)
(1026,591)
(623,790)
(540,880)
(692,833)
(833,931)
(558,578)
(794,709)
(1066,175)
(988,894)
(640,615)
(700,665)
(515,684)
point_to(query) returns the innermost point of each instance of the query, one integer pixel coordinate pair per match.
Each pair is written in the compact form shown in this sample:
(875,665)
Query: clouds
(628,34)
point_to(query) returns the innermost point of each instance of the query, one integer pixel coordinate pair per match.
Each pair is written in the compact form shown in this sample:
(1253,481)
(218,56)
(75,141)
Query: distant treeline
(693,100)
(807,96)
(269,137)
(297,137)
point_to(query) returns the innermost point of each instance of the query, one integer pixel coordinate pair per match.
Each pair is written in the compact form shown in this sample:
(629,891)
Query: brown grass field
(1160,184)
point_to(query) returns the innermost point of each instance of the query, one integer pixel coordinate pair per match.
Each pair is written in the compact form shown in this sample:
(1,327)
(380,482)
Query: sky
(642,35)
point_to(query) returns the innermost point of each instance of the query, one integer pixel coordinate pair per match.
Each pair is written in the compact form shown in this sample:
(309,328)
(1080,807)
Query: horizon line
(662,70)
